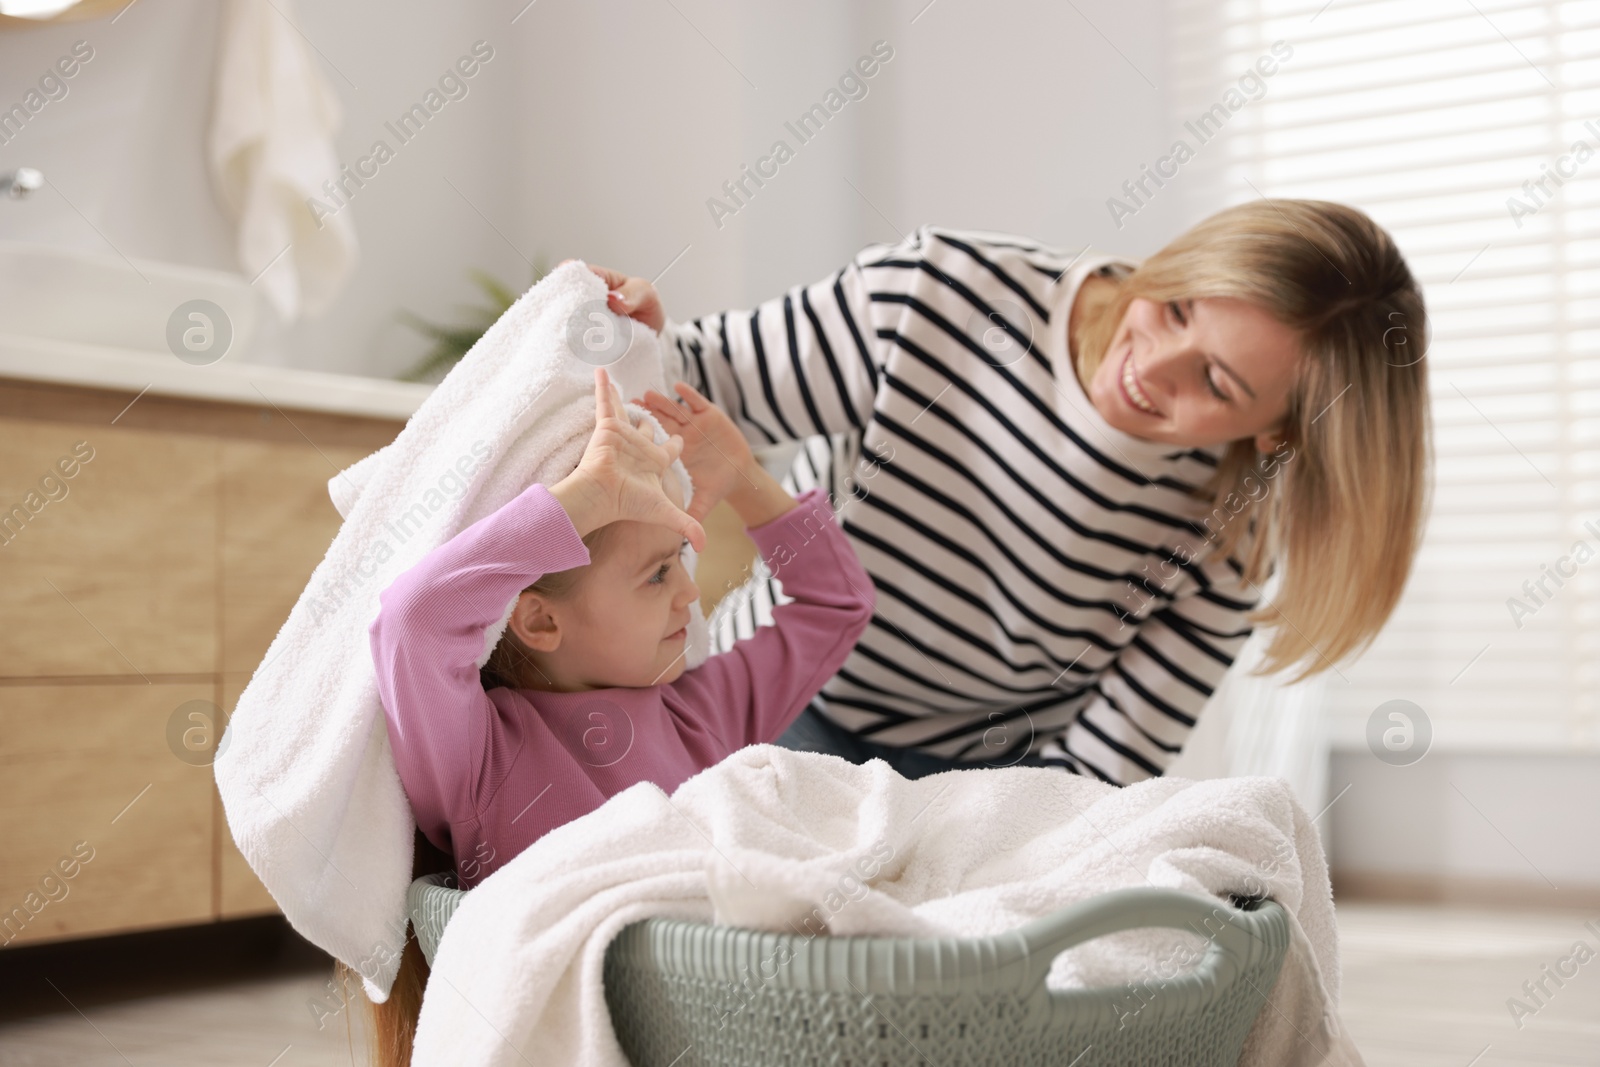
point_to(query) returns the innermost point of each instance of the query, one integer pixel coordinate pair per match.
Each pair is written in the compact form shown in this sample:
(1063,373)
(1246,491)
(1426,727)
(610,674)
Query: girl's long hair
(1341,511)
(511,663)
(392,1026)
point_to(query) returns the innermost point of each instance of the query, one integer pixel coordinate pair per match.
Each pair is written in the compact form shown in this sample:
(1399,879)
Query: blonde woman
(1069,476)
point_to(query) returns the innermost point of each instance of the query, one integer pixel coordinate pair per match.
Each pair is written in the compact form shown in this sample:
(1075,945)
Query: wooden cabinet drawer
(91,763)
(109,570)
(277,522)
(150,549)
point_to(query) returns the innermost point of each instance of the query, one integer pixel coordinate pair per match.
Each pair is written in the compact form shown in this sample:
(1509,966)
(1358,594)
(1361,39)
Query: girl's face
(1196,373)
(623,624)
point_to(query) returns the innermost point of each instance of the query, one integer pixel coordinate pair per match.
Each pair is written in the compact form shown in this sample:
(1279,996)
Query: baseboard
(1393,887)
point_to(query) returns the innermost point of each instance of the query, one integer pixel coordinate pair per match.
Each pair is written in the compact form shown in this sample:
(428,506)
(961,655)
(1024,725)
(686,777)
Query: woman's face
(1196,373)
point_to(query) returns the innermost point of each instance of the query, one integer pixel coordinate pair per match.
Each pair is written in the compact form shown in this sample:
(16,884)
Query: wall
(1506,823)
(983,118)
(599,131)
(126,148)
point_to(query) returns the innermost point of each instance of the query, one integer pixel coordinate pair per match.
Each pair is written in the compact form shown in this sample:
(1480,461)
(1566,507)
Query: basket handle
(1135,908)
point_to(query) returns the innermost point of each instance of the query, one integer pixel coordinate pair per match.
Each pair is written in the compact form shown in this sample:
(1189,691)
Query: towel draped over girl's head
(304,770)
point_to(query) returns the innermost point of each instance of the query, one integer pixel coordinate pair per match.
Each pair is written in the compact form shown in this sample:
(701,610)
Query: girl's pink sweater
(488,774)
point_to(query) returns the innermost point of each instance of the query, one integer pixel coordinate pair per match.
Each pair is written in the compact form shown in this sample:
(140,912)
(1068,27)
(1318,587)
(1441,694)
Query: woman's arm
(751,693)
(800,364)
(804,363)
(444,730)
(1146,701)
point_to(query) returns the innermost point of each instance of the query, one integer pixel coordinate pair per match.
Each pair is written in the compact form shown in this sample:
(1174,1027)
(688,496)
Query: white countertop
(102,367)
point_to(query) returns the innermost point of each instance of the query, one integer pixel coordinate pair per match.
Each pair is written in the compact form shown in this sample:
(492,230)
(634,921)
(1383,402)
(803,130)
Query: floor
(250,994)
(1428,987)
(1422,987)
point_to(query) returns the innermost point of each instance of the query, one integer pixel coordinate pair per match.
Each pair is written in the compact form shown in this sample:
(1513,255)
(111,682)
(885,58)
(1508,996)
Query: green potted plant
(451,342)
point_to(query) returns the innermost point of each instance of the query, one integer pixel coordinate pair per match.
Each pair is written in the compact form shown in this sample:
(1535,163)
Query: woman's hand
(620,474)
(634,297)
(715,453)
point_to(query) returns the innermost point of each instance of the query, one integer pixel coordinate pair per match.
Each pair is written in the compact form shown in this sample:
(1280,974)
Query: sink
(98,321)
(102,299)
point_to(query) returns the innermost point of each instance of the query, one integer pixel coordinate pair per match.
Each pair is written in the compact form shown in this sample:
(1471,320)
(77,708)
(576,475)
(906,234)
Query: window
(1471,130)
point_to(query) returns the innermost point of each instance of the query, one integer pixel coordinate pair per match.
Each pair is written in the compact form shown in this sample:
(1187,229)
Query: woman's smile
(1132,391)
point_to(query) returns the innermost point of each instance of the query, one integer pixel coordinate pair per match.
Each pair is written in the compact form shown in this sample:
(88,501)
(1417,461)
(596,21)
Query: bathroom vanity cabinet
(150,548)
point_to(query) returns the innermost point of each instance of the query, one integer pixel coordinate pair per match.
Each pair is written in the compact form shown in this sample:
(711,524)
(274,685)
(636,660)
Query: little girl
(586,693)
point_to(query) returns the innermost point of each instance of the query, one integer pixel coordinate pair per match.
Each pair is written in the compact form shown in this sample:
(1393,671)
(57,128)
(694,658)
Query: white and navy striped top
(1029,599)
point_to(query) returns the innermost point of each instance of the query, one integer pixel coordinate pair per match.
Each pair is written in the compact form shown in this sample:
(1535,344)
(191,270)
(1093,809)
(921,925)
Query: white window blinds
(1471,130)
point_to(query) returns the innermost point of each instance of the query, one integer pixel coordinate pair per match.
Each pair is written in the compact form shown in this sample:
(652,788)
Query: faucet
(21,183)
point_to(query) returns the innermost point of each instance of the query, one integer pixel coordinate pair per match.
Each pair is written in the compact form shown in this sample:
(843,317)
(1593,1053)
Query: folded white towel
(270,148)
(769,835)
(305,772)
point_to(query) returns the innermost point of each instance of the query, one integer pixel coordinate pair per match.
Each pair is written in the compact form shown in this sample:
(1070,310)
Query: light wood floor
(240,994)
(1427,987)
(1422,987)
(249,1024)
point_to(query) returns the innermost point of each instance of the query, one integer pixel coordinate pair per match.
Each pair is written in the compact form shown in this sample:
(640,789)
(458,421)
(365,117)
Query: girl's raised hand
(715,453)
(620,474)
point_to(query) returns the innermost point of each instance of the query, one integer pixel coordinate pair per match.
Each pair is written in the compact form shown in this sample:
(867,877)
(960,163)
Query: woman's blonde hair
(1343,511)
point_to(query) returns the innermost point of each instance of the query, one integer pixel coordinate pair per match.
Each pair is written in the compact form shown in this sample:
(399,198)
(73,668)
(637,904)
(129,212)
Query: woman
(1069,476)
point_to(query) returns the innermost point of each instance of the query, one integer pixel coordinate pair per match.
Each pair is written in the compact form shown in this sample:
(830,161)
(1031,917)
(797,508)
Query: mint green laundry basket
(694,994)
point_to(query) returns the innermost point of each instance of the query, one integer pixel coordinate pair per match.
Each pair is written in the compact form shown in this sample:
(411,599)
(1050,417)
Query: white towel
(305,772)
(270,149)
(769,834)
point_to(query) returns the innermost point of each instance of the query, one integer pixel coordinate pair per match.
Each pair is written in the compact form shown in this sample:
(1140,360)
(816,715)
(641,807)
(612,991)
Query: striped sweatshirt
(1045,588)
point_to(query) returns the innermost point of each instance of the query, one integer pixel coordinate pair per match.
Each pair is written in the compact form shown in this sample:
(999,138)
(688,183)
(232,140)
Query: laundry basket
(695,994)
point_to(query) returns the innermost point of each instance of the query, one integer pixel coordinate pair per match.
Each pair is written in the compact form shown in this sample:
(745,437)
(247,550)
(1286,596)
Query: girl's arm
(447,736)
(751,693)
(444,731)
